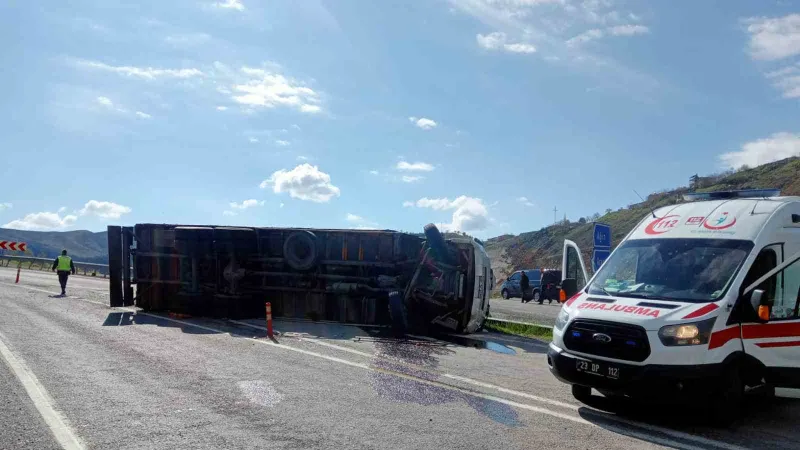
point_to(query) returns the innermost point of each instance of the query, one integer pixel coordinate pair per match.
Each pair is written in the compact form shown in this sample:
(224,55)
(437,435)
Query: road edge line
(56,422)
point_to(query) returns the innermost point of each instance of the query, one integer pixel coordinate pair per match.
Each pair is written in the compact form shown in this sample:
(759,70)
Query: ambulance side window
(766,260)
(785,306)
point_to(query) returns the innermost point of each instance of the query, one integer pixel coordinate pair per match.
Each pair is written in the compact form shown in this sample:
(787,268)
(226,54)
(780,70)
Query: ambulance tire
(582,393)
(726,402)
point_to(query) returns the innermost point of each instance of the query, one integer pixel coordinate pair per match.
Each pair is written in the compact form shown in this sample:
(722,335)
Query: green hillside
(543,248)
(82,245)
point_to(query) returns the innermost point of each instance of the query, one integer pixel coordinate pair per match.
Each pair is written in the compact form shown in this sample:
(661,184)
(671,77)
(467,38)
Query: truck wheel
(437,243)
(582,393)
(397,313)
(300,250)
(505,294)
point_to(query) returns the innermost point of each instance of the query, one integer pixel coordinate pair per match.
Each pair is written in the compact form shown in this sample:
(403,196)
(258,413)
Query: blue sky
(479,115)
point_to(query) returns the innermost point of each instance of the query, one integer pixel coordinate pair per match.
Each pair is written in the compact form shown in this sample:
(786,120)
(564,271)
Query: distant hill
(543,248)
(82,245)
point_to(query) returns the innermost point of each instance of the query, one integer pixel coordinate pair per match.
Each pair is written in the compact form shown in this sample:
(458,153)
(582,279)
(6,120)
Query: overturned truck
(373,277)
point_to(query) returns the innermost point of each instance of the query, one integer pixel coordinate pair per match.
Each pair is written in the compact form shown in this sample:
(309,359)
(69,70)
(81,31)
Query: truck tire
(437,243)
(300,250)
(397,313)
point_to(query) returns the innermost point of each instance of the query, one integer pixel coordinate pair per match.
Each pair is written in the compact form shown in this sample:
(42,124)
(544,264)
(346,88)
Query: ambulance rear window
(690,270)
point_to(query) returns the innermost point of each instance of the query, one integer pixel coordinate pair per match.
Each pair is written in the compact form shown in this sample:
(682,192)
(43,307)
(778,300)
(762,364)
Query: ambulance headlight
(695,333)
(562,319)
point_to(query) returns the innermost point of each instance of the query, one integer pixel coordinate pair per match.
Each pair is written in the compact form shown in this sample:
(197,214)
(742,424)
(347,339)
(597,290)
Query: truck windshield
(690,270)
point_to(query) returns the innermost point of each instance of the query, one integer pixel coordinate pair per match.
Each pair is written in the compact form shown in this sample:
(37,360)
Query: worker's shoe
(63,293)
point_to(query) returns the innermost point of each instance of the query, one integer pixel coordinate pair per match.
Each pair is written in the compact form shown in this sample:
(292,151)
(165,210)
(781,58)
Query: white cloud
(148,73)
(360,223)
(763,151)
(281,206)
(787,80)
(253,140)
(774,38)
(62,209)
(228,213)
(415,167)
(105,101)
(187,40)
(304,182)
(104,210)
(42,221)
(411,178)
(222,108)
(302,158)
(499,41)
(628,30)
(409,204)
(374,172)
(251,203)
(296,127)
(525,201)
(282,143)
(469,213)
(143,115)
(230,4)
(267,90)
(312,109)
(586,36)
(6,205)
(423,122)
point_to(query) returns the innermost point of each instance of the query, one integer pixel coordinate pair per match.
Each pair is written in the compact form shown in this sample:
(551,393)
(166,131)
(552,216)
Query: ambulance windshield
(691,270)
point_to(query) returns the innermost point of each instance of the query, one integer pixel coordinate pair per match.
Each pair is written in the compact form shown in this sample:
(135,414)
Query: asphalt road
(514,309)
(121,378)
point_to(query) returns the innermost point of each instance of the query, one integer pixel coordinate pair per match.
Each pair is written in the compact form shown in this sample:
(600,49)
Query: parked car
(511,287)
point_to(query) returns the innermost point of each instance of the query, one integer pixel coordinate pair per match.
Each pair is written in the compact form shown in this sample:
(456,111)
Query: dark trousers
(62,279)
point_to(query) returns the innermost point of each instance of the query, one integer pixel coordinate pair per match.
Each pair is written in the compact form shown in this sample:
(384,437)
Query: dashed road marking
(58,425)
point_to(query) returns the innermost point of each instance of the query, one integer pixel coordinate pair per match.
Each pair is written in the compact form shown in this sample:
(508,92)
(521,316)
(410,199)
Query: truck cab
(699,300)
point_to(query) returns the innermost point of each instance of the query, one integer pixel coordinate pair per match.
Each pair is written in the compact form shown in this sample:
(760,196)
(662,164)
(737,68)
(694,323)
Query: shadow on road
(117,319)
(763,423)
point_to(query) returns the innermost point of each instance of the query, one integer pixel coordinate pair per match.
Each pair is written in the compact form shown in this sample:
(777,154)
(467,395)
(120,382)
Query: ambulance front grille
(627,342)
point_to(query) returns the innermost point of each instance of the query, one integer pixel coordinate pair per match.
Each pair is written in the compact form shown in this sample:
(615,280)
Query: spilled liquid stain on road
(423,355)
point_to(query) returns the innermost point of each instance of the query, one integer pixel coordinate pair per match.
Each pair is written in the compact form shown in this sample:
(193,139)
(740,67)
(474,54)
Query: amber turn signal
(763,312)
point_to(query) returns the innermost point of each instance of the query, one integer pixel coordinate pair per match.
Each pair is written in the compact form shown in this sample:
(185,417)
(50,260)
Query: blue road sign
(602,235)
(599,256)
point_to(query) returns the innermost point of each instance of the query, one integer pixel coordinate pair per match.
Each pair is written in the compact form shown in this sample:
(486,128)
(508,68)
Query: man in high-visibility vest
(64,265)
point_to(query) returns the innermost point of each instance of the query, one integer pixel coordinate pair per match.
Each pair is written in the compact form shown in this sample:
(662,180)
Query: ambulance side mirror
(761,305)
(569,286)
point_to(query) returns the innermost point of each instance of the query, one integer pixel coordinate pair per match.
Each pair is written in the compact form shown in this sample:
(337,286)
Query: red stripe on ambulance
(721,337)
(701,311)
(779,344)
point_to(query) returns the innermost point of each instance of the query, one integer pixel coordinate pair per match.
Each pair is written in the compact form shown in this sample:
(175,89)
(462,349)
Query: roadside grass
(518,329)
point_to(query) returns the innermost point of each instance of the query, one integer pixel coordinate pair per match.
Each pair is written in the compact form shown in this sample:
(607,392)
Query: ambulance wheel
(727,400)
(582,393)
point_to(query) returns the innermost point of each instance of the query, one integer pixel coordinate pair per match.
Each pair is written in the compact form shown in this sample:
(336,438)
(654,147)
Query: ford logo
(601,337)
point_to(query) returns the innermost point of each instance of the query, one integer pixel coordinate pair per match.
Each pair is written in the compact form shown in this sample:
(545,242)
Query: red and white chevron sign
(15,246)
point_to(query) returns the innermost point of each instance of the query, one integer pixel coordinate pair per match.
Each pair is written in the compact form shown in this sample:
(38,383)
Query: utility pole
(555,217)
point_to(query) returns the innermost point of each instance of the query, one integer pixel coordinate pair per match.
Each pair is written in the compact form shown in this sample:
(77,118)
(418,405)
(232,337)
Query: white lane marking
(51,293)
(58,425)
(654,428)
(447,375)
(579,420)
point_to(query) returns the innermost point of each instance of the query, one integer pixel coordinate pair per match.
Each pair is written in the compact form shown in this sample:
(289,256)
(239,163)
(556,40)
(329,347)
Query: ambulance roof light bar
(720,195)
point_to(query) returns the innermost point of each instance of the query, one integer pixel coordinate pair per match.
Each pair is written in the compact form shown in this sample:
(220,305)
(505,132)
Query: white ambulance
(700,299)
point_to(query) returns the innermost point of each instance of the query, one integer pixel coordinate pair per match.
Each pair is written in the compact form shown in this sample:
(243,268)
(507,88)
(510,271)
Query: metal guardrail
(81,268)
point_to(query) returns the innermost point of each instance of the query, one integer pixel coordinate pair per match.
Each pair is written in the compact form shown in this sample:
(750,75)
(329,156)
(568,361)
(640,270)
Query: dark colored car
(511,287)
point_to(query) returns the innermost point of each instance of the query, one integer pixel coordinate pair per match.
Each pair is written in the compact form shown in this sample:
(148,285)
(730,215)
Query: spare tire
(397,313)
(437,243)
(300,250)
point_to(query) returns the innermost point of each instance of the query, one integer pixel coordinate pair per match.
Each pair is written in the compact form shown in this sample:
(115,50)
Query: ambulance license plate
(596,368)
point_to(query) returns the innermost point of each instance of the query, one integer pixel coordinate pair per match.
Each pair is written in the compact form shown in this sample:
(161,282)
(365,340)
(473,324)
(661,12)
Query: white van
(699,299)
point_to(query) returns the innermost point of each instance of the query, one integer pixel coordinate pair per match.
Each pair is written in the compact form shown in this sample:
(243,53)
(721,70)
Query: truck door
(775,343)
(572,265)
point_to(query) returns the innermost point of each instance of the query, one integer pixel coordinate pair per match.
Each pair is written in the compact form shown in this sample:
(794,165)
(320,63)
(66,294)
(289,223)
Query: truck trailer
(372,277)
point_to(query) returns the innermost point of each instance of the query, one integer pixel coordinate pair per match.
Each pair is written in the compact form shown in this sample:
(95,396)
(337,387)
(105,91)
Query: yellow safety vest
(64,263)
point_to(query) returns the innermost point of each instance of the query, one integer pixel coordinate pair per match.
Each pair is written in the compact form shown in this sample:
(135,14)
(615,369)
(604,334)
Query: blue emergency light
(722,195)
